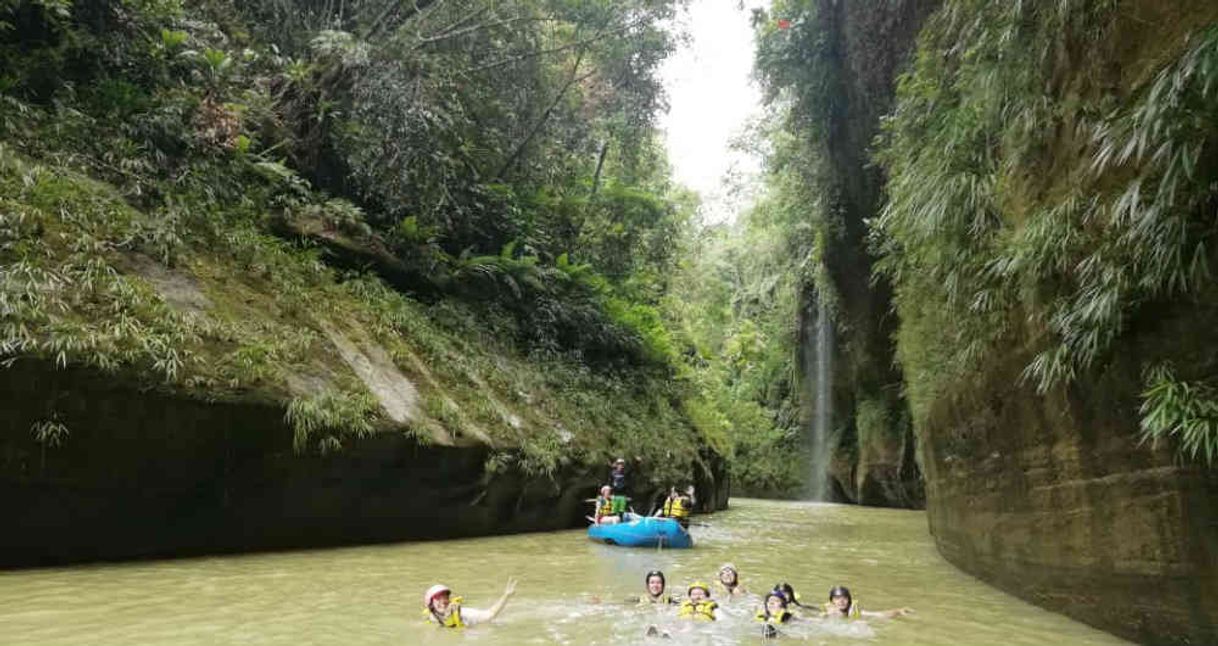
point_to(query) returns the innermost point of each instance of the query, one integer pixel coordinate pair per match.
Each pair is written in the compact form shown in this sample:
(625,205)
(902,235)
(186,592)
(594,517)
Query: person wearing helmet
(843,606)
(654,594)
(445,610)
(773,613)
(729,580)
(604,507)
(698,605)
(789,592)
(618,484)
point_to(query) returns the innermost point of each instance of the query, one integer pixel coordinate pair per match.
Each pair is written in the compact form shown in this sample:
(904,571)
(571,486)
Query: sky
(712,99)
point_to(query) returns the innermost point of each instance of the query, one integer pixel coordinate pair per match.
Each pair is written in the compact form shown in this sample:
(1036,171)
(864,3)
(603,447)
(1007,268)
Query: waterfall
(819,377)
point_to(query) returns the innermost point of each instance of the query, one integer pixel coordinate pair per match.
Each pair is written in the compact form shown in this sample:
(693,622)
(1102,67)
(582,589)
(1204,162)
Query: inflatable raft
(642,531)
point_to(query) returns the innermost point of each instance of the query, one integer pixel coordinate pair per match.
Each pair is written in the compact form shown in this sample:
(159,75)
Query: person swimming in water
(792,597)
(842,605)
(773,613)
(446,611)
(655,594)
(729,580)
(698,603)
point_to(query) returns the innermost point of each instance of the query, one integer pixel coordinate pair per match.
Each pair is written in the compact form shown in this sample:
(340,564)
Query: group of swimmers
(780,606)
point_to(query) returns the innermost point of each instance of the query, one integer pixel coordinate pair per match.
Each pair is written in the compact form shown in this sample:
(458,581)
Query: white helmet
(434,590)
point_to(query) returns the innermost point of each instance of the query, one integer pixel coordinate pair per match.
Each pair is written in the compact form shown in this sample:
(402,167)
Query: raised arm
(507,592)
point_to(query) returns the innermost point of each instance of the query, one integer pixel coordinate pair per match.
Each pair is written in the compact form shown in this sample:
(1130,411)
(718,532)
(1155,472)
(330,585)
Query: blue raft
(642,531)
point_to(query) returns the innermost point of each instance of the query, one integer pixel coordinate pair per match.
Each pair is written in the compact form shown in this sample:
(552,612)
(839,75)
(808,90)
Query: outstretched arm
(887,614)
(507,592)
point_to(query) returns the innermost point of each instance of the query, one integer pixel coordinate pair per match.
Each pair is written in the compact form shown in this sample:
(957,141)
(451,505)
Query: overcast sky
(712,98)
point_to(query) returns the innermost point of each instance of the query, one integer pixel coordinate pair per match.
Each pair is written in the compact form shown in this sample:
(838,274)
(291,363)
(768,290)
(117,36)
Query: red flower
(783,23)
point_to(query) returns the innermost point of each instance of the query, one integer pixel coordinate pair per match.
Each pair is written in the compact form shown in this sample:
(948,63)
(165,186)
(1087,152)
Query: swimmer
(775,609)
(445,610)
(729,580)
(698,604)
(843,606)
(773,613)
(655,590)
(791,596)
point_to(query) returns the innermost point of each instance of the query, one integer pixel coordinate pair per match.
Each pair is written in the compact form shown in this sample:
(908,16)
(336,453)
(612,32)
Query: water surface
(570,590)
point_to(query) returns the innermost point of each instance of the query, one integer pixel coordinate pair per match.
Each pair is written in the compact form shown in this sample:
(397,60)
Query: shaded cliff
(1039,217)
(149,473)
(1049,233)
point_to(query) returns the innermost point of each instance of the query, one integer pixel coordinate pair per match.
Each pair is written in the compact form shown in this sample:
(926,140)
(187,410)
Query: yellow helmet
(698,584)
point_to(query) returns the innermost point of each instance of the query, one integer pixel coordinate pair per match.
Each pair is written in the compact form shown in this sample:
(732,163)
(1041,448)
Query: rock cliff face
(1052,498)
(1050,495)
(152,473)
(873,458)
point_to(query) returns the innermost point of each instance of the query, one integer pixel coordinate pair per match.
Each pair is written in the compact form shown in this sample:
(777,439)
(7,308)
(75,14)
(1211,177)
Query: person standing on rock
(618,484)
(445,610)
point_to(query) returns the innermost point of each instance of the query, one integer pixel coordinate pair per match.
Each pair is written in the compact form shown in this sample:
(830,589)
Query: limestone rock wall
(145,473)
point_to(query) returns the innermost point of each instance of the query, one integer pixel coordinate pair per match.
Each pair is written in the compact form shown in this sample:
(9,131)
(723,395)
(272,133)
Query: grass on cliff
(224,310)
(1039,197)
(144,163)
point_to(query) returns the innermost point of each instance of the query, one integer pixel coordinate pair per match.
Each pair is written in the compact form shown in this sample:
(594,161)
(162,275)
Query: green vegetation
(1040,200)
(173,175)
(735,304)
(1186,411)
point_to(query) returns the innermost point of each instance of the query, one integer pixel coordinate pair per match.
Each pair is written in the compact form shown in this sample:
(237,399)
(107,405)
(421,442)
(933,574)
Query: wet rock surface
(148,473)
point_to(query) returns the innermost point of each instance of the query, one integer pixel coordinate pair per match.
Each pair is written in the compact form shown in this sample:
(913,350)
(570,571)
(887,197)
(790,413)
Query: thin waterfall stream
(819,377)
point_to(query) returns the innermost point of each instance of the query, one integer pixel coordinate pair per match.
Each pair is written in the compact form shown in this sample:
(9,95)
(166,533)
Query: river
(570,590)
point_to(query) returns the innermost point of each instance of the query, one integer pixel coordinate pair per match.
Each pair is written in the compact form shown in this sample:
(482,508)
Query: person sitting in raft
(677,506)
(655,594)
(604,508)
(698,605)
(445,610)
(843,606)
(729,580)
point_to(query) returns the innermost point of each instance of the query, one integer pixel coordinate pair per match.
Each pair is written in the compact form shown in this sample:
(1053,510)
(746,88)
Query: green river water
(372,595)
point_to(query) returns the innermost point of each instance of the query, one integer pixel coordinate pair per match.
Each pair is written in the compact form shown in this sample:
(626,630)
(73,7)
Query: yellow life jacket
(701,610)
(780,618)
(854,612)
(675,508)
(604,507)
(453,620)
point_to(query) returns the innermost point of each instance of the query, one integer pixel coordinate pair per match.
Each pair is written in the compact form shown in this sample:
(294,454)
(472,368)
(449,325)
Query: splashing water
(572,591)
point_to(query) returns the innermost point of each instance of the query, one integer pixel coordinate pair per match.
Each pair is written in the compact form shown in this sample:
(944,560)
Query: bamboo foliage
(985,217)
